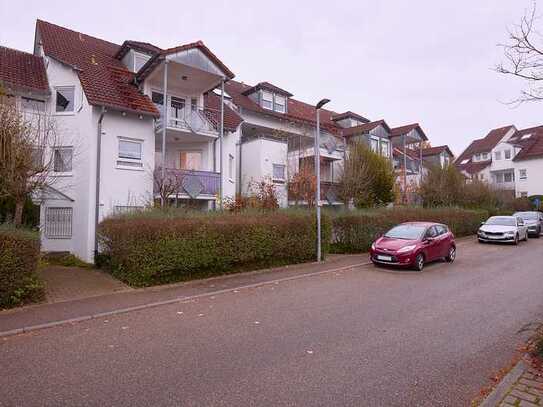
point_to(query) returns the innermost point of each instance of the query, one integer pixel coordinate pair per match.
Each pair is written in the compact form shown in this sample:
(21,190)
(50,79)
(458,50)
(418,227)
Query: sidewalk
(522,387)
(40,316)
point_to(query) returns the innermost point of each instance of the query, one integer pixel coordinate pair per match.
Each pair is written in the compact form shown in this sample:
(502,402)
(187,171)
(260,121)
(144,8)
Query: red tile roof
(231,119)
(267,86)
(364,128)
(483,145)
(349,114)
(426,152)
(401,130)
(532,147)
(297,111)
(105,80)
(22,71)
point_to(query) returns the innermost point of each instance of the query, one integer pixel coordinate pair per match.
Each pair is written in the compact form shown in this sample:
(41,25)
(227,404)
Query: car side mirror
(482,223)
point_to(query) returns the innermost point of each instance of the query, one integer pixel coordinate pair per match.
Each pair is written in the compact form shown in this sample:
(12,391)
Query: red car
(413,244)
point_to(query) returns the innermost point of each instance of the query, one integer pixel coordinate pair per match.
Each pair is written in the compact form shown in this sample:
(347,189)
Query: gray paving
(361,337)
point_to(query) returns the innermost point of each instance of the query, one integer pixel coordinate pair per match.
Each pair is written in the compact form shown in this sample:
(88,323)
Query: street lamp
(318,174)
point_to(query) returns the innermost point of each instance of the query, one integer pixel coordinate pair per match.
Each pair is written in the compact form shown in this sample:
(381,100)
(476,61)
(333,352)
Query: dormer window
(140,60)
(267,100)
(526,136)
(279,103)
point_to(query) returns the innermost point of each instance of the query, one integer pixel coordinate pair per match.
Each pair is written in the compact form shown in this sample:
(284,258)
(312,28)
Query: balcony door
(190,160)
(177,108)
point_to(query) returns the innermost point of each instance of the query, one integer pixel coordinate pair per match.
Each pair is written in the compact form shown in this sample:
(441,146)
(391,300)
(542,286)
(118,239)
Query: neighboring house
(508,159)
(440,156)
(408,144)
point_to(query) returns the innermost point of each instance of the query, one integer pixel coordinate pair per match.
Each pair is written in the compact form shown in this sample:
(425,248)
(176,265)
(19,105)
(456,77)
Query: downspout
(165,109)
(98,171)
(215,166)
(221,135)
(240,165)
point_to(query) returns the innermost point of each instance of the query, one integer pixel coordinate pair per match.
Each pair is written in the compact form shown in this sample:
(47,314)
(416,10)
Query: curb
(501,390)
(51,324)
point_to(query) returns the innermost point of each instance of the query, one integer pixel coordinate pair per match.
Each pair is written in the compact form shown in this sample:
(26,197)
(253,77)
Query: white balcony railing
(192,119)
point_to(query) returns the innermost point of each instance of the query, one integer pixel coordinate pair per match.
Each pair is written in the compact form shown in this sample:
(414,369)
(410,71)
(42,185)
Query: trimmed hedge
(19,256)
(354,231)
(150,249)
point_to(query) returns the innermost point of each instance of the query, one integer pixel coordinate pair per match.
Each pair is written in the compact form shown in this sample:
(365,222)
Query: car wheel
(481,241)
(452,254)
(526,237)
(419,262)
(517,239)
(538,233)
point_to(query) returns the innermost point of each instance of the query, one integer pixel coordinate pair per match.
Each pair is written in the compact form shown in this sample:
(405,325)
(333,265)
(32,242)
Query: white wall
(533,184)
(229,147)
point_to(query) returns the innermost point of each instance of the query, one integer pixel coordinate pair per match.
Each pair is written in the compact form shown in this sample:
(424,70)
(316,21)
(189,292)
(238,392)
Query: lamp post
(318,175)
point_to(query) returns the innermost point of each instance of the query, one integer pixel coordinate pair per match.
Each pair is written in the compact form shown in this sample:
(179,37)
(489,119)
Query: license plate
(385,258)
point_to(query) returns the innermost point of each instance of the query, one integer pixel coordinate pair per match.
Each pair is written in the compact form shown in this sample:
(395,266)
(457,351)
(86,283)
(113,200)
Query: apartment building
(507,158)
(137,123)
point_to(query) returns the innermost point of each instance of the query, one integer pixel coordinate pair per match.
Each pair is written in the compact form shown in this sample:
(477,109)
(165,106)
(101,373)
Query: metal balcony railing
(190,118)
(190,182)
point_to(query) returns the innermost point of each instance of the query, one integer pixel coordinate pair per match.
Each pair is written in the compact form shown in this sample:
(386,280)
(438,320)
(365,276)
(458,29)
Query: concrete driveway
(362,337)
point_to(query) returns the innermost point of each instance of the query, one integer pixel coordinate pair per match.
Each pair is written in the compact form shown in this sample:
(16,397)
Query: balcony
(329,193)
(192,119)
(195,184)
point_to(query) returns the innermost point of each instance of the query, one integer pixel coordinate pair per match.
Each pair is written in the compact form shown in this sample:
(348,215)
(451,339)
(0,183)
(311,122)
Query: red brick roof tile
(426,152)
(22,71)
(532,147)
(105,80)
(349,114)
(401,130)
(231,119)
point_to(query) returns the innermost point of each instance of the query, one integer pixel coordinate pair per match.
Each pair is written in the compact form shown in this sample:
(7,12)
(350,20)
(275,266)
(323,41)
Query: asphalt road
(362,337)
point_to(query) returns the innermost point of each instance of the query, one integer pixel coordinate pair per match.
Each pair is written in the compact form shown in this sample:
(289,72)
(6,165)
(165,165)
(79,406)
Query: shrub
(354,232)
(149,249)
(19,256)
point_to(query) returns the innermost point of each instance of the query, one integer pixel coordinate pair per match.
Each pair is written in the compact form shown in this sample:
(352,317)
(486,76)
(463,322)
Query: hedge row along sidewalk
(355,231)
(149,248)
(19,256)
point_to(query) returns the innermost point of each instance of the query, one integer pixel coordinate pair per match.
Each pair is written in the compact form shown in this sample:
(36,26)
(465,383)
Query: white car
(503,229)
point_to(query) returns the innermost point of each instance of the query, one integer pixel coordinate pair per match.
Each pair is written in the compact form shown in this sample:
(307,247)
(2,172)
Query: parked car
(413,244)
(533,220)
(509,229)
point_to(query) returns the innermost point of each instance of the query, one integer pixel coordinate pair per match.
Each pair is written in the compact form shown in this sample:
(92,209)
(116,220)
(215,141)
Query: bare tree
(168,184)
(26,161)
(524,57)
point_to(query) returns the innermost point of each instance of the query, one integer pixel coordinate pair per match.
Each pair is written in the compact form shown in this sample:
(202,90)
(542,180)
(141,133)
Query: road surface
(361,337)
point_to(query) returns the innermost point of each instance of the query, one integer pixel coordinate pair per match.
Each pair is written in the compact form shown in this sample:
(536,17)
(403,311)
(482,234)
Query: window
(498,155)
(477,157)
(62,159)
(194,104)
(384,148)
(279,105)
(157,98)
(526,136)
(507,154)
(130,153)
(267,100)
(230,166)
(33,105)
(508,177)
(374,144)
(523,174)
(190,160)
(140,60)
(524,194)
(65,97)
(278,172)
(58,223)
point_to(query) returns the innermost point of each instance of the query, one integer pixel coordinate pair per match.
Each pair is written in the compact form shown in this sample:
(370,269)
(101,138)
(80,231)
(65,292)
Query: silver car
(534,221)
(509,229)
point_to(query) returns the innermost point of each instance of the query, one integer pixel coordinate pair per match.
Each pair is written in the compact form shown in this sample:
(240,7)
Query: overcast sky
(402,60)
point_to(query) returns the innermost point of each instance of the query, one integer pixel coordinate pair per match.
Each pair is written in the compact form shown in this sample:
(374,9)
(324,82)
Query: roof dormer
(269,97)
(135,54)
(349,119)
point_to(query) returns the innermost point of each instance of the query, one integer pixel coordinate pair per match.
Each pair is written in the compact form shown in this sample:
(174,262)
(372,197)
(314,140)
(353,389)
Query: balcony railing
(190,118)
(329,192)
(188,182)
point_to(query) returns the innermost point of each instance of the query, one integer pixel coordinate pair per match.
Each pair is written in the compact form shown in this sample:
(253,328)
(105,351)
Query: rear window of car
(527,215)
(408,232)
(502,221)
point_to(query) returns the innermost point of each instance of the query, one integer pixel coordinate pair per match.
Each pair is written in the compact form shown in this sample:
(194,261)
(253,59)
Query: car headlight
(481,232)
(373,246)
(406,249)
(510,232)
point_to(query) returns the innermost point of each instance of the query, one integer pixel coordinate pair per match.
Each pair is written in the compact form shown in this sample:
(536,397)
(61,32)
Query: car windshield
(501,221)
(527,215)
(408,232)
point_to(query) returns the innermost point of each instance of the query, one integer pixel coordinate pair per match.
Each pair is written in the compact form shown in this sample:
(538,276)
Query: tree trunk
(18,218)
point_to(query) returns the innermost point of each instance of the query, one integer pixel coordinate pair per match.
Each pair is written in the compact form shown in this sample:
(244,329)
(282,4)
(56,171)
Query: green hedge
(149,249)
(354,231)
(19,256)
